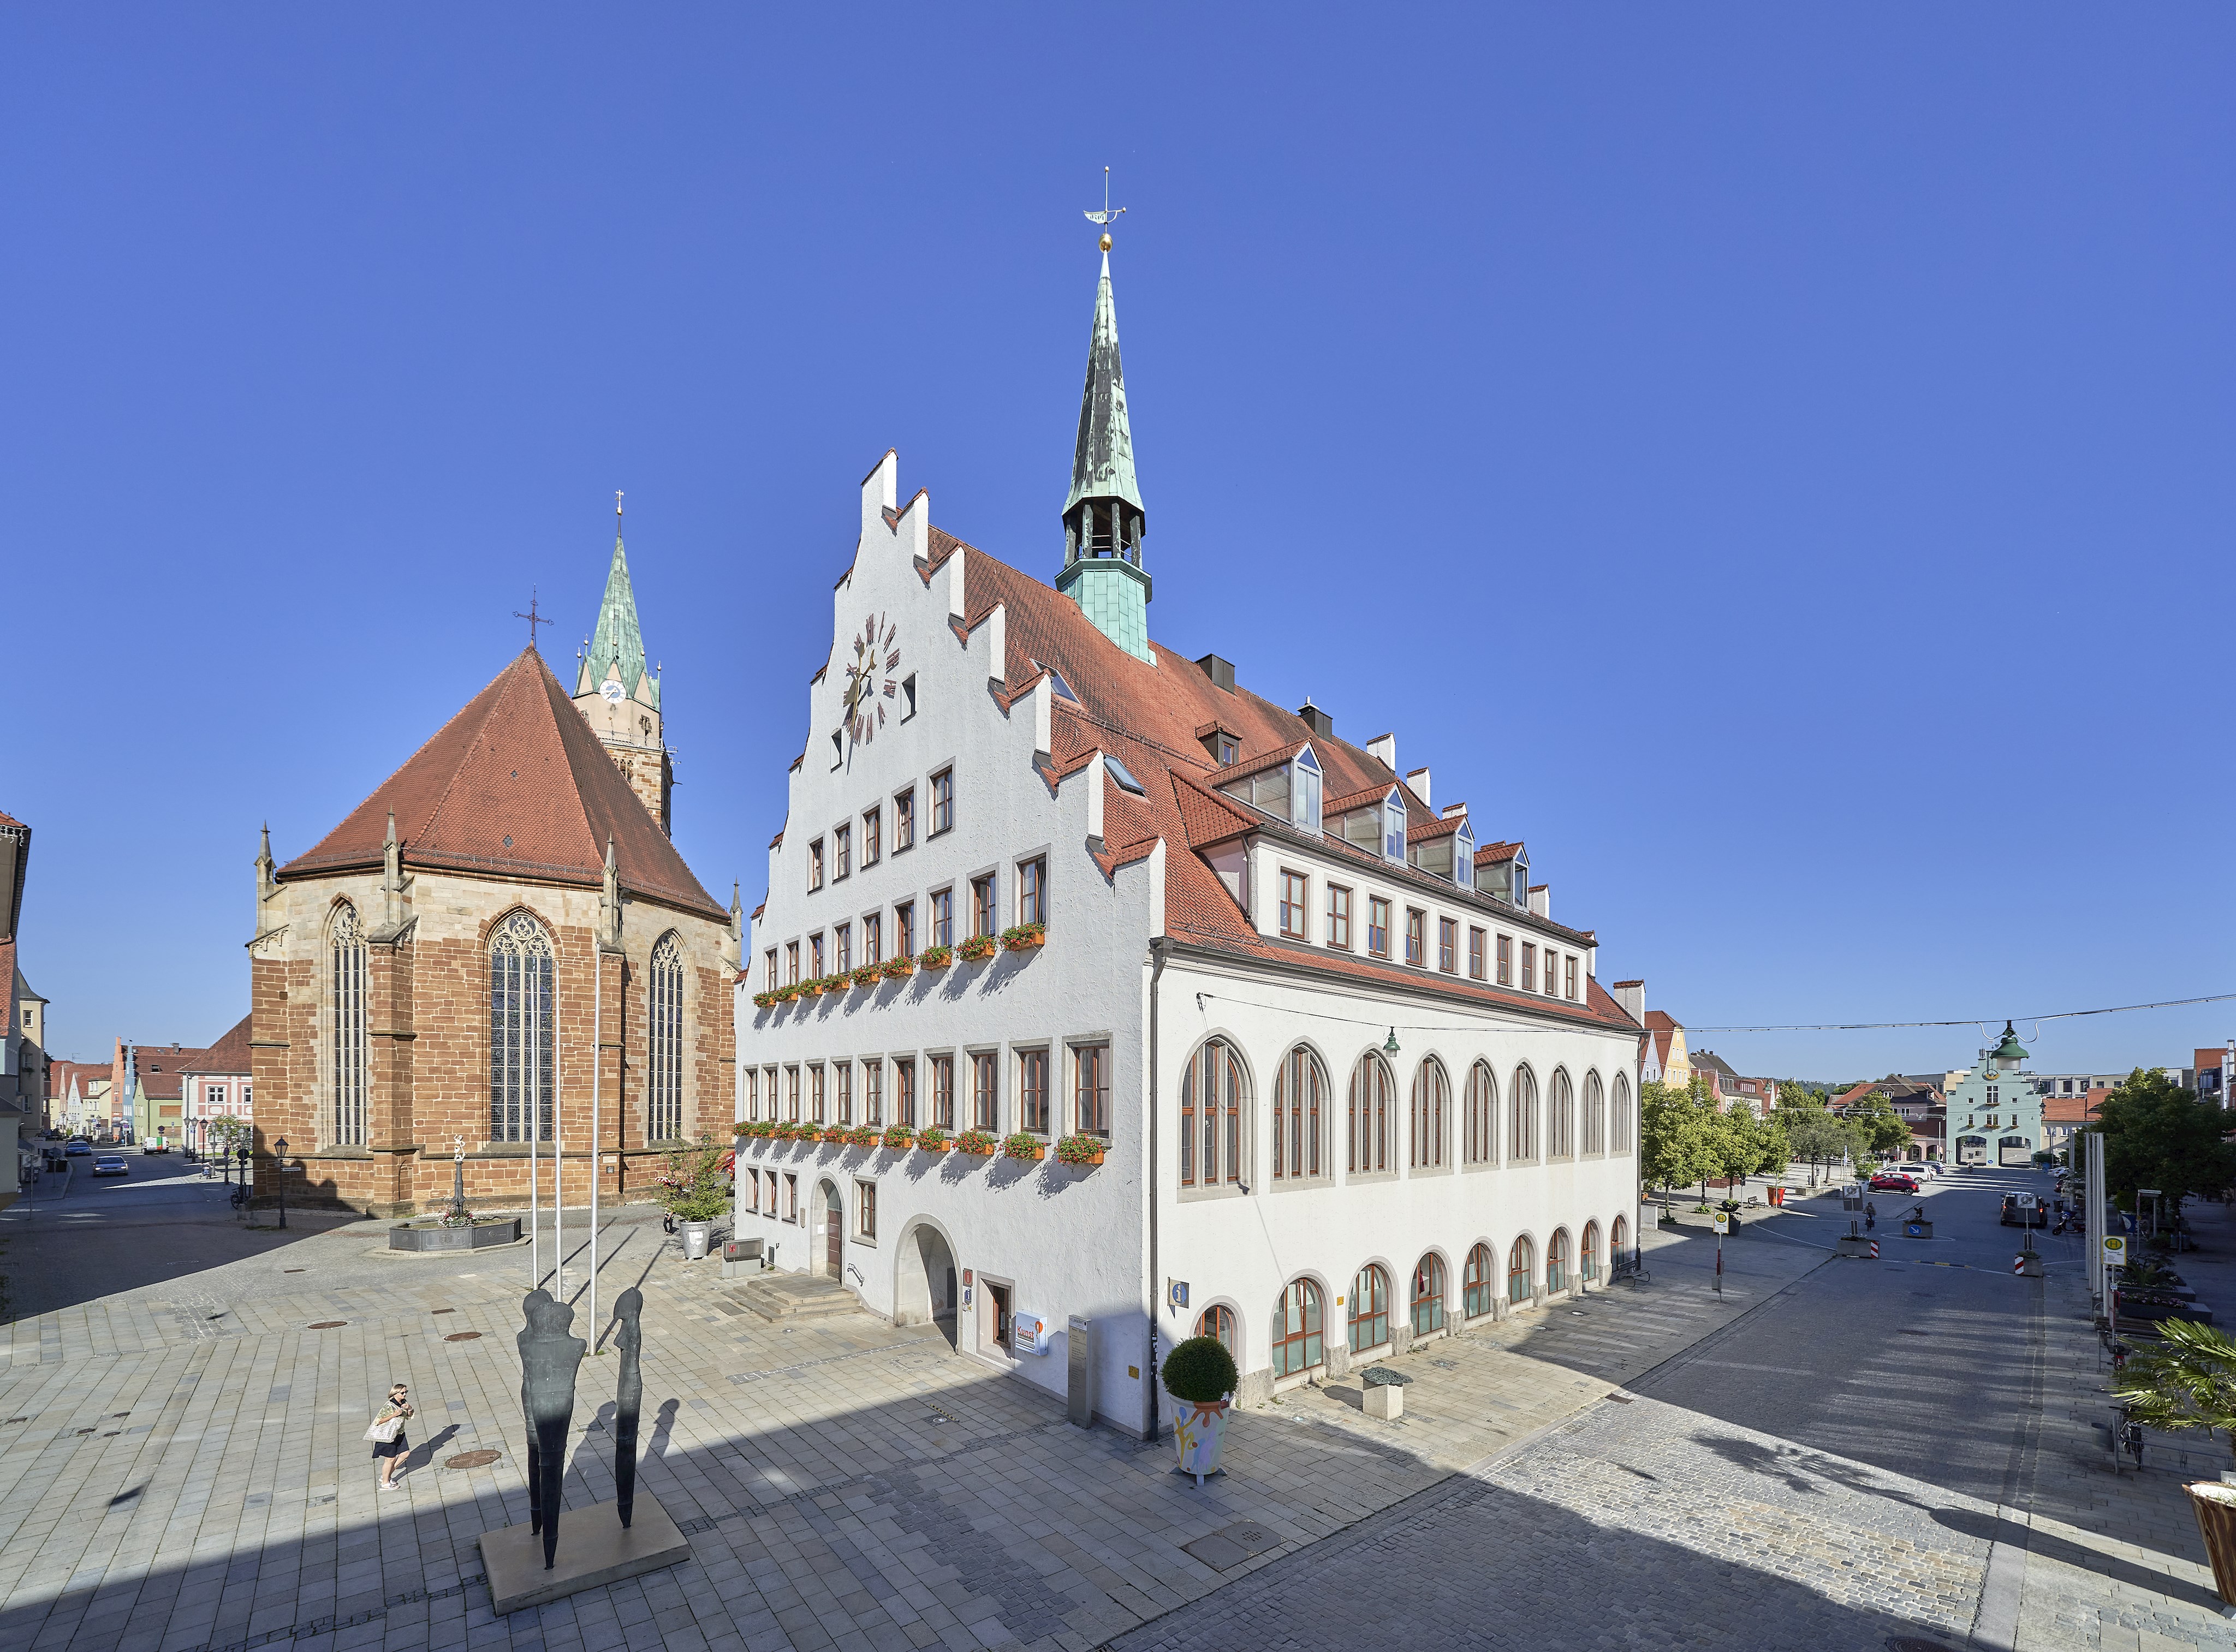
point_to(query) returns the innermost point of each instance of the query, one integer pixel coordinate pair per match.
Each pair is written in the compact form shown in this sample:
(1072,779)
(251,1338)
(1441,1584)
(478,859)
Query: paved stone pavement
(181,1464)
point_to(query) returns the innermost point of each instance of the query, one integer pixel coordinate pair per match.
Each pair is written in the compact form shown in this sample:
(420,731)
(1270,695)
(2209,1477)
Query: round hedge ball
(1200,1371)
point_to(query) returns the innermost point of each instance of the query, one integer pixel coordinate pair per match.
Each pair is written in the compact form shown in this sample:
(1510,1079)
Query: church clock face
(612,691)
(870,678)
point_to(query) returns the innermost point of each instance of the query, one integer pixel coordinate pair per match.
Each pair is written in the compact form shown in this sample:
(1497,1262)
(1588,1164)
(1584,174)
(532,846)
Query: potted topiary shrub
(2189,1381)
(1023,1145)
(695,1190)
(1199,1373)
(932,1139)
(1082,1150)
(979,1142)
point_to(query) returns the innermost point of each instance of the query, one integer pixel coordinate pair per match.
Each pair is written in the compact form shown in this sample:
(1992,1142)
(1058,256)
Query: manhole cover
(462,1336)
(329,1325)
(473,1459)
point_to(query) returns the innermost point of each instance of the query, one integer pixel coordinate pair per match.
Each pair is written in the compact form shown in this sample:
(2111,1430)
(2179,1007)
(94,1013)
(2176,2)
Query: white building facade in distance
(1267,1054)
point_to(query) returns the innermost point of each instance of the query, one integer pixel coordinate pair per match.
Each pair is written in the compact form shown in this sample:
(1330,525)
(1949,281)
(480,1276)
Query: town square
(690,997)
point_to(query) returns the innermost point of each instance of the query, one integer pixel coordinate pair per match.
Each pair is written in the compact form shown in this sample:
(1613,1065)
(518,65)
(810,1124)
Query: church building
(1097,998)
(499,932)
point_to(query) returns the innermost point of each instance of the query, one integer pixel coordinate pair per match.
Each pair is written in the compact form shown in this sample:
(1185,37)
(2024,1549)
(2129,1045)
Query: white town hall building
(1351,1087)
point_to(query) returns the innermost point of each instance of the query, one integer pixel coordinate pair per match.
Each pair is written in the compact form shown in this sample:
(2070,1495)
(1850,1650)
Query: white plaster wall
(1068,1241)
(1242,1251)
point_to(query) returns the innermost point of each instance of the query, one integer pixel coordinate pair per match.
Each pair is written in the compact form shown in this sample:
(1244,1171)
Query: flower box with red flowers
(975,947)
(933,1140)
(898,1136)
(1021,1145)
(935,957)
(1082,1150)
(1025,936)
(979,1142)
(899,968)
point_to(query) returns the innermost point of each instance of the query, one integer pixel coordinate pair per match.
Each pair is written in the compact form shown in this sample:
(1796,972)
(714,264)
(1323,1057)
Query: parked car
(77,1150)
(2025,1211)
(1894,1181)
(111,1164)
(155,1147)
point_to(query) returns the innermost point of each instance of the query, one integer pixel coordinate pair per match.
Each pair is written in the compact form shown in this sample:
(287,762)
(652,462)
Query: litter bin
(1778,1196)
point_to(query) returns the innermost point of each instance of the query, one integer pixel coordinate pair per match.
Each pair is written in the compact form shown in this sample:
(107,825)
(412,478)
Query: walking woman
(389,1445)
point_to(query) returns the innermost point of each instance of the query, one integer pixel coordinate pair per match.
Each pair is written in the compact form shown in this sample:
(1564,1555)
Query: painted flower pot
(1199,1435)
(697,1238)
(2214,1504)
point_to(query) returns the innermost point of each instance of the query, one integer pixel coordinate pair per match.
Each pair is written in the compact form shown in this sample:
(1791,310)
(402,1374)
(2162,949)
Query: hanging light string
(1201,998)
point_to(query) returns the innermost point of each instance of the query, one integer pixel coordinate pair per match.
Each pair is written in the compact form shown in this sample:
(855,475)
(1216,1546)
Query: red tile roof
(163,1067)
(1146,716)
(228,1055)
(515,785)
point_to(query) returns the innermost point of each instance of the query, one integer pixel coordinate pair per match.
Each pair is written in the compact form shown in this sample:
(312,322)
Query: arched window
(1561,1118)
(520,1030)
(663,1112)
(1300,1097)
(1370,1309)
(1481,1138)
(1372,1091)
(1429,1295)
(1297,1329)
(1594,1115)
(1521,1270)
(1556,1263)
(1212,1140)
(1476,1284)
(1618,1236)
(1432,1100)
(1589,1258)
(1522,1125)
(1622,1141)
(346,997)
(1219,1322)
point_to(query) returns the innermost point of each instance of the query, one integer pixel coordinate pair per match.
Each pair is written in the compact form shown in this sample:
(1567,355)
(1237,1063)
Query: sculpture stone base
(594,1551)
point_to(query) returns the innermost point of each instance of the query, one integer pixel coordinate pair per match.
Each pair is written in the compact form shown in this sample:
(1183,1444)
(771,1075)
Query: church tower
(618,697)
(1102,516)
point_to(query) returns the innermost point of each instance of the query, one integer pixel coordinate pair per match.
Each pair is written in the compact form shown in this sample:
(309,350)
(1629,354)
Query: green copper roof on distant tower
(617,641)
(1102,464)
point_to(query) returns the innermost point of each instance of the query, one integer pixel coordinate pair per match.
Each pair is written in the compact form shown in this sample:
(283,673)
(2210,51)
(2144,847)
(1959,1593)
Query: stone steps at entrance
(795,1296)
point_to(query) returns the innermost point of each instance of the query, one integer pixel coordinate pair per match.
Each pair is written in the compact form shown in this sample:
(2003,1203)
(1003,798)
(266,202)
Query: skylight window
(1124,776)
(1055,679)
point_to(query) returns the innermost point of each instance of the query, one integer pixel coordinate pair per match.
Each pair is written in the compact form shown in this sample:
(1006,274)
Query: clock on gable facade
(870,677)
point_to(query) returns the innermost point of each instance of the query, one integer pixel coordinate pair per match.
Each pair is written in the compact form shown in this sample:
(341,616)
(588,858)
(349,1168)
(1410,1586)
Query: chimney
(1631,994)
(1220,672)
(1419,782)
(1317,720)
(1384,748)
(1541,899)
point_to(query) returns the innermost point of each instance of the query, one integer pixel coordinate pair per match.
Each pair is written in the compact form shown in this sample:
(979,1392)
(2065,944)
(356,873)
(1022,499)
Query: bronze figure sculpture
(549,1360)
(629,1399)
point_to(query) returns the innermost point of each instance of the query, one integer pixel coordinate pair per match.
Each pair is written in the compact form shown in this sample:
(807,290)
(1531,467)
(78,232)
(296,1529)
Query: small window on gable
(1304,793)
(1226,749)
(1393,827)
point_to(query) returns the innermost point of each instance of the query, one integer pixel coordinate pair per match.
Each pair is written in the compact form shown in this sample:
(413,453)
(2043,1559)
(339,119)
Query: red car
(1894,1181)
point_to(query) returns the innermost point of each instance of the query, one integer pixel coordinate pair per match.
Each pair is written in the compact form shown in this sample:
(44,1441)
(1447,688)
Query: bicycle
(240,1199)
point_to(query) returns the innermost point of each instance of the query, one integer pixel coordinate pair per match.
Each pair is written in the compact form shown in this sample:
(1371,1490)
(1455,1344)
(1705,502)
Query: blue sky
(1773,459)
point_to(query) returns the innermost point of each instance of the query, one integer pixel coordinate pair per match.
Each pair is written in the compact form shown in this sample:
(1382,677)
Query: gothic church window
(521,1031)
(664,1098)
(346,1115)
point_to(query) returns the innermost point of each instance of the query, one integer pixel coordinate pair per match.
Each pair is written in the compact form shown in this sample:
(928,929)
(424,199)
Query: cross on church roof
(532,617)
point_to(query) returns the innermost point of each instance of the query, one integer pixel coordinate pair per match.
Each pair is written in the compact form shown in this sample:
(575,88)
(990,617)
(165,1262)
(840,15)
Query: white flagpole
(558,1153)
(597,1080)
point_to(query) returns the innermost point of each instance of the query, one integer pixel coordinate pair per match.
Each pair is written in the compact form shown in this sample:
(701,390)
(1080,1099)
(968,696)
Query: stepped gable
(515,785)
(1146,716)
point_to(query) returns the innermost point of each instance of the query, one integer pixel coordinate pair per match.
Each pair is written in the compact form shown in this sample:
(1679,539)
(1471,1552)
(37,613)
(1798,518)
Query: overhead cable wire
(1969,1020)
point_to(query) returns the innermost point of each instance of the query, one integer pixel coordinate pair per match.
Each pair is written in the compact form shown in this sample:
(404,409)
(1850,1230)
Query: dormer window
(1464,856)
(1304,793)
(1393,827)
(1225,748)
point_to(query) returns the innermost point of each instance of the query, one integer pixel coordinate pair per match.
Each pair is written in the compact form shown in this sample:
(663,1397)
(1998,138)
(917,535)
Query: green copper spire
(1103,463)
(1104,514)
(617,640)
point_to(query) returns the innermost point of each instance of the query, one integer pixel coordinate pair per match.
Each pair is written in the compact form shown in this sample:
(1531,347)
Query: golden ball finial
(1106,240)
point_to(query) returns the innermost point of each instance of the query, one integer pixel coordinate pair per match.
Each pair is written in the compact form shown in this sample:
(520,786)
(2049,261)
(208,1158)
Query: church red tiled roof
(515,785)
(1147,716)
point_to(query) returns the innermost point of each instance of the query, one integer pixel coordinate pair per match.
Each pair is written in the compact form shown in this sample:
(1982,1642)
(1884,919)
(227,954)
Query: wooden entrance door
(834,1256)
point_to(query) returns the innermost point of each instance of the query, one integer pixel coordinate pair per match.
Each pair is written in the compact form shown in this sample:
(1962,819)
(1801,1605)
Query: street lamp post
(280,1175)
(242,1155)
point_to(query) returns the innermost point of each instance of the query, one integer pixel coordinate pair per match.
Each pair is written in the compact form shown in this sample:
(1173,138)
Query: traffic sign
(1723,1222)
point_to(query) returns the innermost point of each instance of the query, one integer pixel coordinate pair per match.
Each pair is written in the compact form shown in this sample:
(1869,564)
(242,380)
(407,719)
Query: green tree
(1737,1141)
(1776,1152)
(1817,1138)
(1673,1138)
(1878,1127)
(2158,1134)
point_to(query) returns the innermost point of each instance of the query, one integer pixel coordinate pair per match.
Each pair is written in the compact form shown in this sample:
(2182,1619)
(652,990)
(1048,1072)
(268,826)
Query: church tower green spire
(1103,515)
(618,697)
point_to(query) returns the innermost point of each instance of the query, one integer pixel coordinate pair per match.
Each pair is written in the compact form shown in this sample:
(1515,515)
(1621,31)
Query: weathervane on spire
(532,617)
(617,504)
(1108,215)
